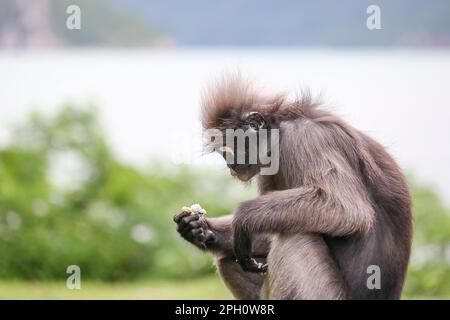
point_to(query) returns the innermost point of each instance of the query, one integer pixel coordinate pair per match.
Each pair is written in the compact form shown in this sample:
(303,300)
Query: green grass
(204,288)
(210,287)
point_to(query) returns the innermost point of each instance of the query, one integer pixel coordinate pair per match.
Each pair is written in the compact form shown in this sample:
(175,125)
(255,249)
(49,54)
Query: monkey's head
(239,125)
(243,144)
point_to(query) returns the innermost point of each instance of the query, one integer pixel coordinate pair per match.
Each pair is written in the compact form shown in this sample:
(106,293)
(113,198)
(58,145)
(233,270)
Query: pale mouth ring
(243,178)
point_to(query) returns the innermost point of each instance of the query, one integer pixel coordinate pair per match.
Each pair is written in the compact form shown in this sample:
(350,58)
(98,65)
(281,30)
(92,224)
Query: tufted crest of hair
(226,101)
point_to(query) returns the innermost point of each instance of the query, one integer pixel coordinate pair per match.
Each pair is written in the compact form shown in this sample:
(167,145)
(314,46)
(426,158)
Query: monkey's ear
(256,120)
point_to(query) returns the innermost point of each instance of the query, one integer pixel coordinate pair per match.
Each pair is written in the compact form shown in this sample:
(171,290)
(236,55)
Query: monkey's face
(243,147)
(243,171)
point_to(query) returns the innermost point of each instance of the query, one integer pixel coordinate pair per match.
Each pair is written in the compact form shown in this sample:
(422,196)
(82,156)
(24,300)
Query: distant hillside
(41,23)
(104,23)
(298,22)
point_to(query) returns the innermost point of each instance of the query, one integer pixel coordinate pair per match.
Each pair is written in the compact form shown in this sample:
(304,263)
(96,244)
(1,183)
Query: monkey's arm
(221,231)
(214,235)
(336,204)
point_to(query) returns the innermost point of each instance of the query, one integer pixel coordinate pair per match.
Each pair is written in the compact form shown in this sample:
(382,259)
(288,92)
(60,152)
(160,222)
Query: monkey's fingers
(198,238)
(177,218)
(210,237)
(198,235)
(187,223)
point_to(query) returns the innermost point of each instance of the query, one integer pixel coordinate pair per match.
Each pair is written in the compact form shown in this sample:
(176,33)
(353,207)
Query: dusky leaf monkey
(337,205)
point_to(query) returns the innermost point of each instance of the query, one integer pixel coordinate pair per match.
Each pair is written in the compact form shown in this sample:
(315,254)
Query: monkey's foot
(252,265)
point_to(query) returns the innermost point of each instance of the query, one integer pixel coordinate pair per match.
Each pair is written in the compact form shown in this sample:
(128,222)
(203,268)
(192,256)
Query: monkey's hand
(242,249)
(192,226)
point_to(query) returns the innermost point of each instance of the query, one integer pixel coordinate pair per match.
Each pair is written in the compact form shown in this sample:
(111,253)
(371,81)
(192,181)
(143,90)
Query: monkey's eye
(256,120)
(254,126)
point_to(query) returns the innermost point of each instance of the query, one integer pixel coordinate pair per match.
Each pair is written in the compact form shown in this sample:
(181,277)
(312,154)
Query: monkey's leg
(243,285)
(214,235)
(301,267)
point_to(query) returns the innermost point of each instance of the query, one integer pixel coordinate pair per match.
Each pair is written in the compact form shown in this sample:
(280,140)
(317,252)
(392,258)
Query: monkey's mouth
(242,176)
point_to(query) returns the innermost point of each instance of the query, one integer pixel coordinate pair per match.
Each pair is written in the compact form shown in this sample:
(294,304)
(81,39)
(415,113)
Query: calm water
(149,99)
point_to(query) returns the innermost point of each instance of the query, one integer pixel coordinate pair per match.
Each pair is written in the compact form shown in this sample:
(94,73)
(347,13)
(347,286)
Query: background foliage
(66,199)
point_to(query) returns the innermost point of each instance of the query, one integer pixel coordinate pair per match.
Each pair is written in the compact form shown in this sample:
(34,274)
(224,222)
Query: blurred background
(100,137)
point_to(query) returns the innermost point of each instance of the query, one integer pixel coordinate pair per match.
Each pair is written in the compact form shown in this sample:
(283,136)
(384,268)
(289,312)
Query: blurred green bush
(65,199)
(429,270)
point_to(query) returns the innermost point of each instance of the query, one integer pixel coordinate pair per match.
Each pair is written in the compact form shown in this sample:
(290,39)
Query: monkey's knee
(243,285)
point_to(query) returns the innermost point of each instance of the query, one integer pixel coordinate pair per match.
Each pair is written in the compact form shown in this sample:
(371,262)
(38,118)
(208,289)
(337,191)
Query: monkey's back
(387,246)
